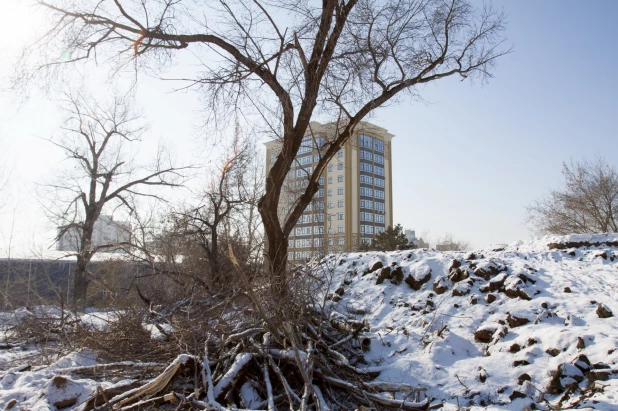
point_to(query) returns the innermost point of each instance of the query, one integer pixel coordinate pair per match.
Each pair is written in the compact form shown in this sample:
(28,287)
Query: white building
(106,232)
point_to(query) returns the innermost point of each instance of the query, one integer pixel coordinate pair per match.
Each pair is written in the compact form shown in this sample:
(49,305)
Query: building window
(340,154)
(378,159)
(340,229)
(340,178)
(379,207)
(330,180)
(330,167)
(330,192)
(330,204)
(366,179)
(316,158)
(366,155)
(339,216)
(340,203)
(340,166)
(340,191)
(291,256)
(317,242)
(366,167)
(341,241)
(379,182)
(379,230)
(330,242)
(318,230)
(290,243)
(379,171)
(366,141)
(379,194)
(321,180)
(379,218)
(378,145)
(321,192)
(320,204)
(367,204)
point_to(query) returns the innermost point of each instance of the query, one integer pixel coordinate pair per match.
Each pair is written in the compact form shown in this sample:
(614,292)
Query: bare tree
(287,62)
(587,204)
(226,214)
(102,177)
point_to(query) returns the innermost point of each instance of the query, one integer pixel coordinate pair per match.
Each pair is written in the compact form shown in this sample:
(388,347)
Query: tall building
(355,199)
(106,231)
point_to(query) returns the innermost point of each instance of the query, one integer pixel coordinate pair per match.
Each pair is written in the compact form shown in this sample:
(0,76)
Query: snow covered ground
(491,327)
(506,327)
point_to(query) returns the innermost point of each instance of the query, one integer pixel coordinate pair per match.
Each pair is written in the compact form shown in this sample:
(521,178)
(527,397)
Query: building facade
(106,231)
(355,199)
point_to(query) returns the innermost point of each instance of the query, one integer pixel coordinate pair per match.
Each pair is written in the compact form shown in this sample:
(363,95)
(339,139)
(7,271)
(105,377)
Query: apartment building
(107,231)
(355,199)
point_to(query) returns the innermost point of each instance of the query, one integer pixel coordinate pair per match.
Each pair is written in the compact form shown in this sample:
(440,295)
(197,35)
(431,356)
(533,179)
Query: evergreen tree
(388,240)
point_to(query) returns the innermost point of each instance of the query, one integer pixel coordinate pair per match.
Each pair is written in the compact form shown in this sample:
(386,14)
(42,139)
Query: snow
(405,325)
(514,295)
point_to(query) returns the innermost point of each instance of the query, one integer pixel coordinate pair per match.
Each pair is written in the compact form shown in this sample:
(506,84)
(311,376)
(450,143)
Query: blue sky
(469,162)
(466,161)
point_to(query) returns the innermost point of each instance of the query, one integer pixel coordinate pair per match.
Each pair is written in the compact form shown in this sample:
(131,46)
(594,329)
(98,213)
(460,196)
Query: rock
(580,343)
(10,404)
(601,366)
(397,276)
(532,341)
(455,264)
(490,298)
(487,269)
(569,370)
(603,255)
(497,282)
(519,363)
(376,265)
(553,352)
(385,274)
(335,298)
(523,377)
(415,283)
(555,386)
(567,289)
(524,295)
(516,394)
(582,362)
(482,375)
(461,289)
(474,300)
(441,285)
(487,332)
(598,375)
(544,305)
(526,279)
(603,311)
(571,253)
(513,286)
(339,291)
(514,321)
(69,402)
(458,275)
(515,348)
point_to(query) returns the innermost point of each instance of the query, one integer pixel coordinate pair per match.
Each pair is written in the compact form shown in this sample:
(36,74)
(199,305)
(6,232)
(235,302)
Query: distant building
(107,231)
(448,246)
(418,242)
(355,199)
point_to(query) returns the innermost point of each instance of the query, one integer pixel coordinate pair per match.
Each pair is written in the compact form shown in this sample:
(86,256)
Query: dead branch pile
(315,366)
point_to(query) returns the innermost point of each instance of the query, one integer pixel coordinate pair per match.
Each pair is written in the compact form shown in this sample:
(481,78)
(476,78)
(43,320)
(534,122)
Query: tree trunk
(80,282)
